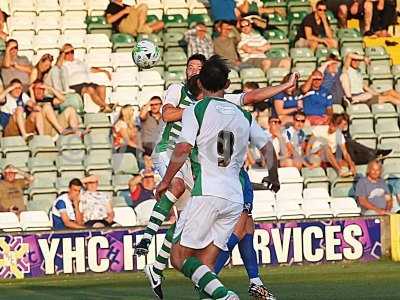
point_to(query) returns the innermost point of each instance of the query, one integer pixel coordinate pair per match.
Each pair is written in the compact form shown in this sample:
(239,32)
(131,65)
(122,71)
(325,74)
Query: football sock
(249,256)
(163,255)
(202,276)
(160,212)
(224,255)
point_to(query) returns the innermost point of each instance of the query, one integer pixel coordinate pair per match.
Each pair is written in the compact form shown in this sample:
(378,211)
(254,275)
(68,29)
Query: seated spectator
(225,44)
(3,17)
(130,19)
(287,103)
(356,9)
(64,123)
(76,75)
(141,188)
(65,211)
(372,193)
(295,138)
(360,154)
(383,15)
(12,189)
(331,72)
(315,30)
(13,119)
(278,139)
(252,48)
(41,69)
(199,41)
(15,66)
(126,134)
(151,123)
(327,147)
(95,206)
(317,102)
(356,91)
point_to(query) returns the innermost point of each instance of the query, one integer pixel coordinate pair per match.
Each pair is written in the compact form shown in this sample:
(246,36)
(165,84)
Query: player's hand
(161,189)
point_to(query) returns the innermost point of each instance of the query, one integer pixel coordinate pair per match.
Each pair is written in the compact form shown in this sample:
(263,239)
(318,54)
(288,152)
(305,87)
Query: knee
(368,6)
(70,110)
(89,90)
(19,111)
(332,43)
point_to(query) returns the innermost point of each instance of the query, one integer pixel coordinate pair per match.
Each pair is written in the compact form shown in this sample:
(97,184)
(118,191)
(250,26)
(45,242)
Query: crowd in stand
(305,131)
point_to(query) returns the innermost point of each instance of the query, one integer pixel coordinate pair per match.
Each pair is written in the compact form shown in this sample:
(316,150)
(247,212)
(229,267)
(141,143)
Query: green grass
(377,280)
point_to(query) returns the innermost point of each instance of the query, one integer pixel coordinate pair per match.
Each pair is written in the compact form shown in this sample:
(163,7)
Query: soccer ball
(145,54)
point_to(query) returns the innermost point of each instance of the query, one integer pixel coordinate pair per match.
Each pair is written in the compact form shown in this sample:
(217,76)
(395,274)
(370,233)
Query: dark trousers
(359,153)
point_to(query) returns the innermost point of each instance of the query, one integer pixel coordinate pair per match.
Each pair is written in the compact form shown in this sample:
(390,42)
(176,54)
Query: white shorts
(161,161)
(206,220)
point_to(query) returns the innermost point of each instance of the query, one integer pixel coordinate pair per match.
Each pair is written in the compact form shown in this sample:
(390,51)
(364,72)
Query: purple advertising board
(37,254)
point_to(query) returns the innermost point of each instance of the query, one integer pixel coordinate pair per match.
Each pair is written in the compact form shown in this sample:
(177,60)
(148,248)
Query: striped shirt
(196,45)
(253,39)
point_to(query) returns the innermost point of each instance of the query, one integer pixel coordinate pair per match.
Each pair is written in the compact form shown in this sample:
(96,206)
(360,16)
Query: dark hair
(214,74)
(11,41)
(346,117)
(37,81)
(320,3)
(75,182)
(337,119)
(300,113)
(193,86)
(156,98)
(196,56)
(251,85)
(286,78)
(15,80)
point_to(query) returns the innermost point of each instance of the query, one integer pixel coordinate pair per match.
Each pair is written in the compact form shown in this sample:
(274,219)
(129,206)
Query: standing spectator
(65,211)
(252,48)
(199,41)
(356,9)
(12,189)
(15,66)
(327,147)
(356,90)
(373,194)
(64,123)
(130,19)
(14,103)
(383,15)
(95,206)
(151,121)
(141,188)
(315,30)
(223,10)
(287,103)
(225,44)
(76,74)
(295,138)
(331,72)
(126,134)
(317,102)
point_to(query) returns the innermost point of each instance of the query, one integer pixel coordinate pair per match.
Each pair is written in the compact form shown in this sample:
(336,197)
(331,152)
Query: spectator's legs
(342,15)
(50,115)
(332,158)
(3,35)
(101,91)
(332,43)
(368,11)
(20,120)
(313,45)
(266,64)
(71,118)
(37,119)
(130,24)
(391,96)
(364,97)
(359,153)
(95,96)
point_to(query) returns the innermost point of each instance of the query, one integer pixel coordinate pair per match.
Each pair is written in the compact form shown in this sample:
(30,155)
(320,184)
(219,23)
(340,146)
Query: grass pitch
(376,280)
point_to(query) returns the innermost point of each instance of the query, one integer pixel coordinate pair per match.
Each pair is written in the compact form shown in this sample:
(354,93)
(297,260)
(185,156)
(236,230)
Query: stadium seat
(316,193)
(98,24)
(124,163)
(125,78)
(20,23)
(69,166)
(304,71)
(379,70)
(9,222)
(23,8)
(98,123)
(24,38)
(382,85)
(150,78)
(315,178)
(275,75)
(253,75)
(99,165)
(263,209)
(122,42)
(302,57)
(20,163)
(14,148)
(158,39)
(349,35)
(43,146)
(42,190)
(96,7)
(42,168)
(353,48)
(48,24)
(362,130)
(174,58)
(296,17)
(77,40)
(289,195)
(97,41)
(72,7)
(125,216)
(96,141)
(377,53)
(289,210)
(69,142)
(100,60)
(257,175)
(343,191)
(119,201)
(173,39)
(35,220)
(48,8)
(193,19)
(337,108)
(143,211)
(387,129)
(384,111)
(73,24)
(125,96)
(345,207)
(315,203)
(122,60)
(337,180)
(359,111)
(290,179)
(322,53)
(120,182)
(175,21)
(391,169)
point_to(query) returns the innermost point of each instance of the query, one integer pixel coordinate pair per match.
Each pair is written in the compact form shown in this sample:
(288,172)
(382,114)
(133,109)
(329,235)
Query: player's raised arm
(170,111)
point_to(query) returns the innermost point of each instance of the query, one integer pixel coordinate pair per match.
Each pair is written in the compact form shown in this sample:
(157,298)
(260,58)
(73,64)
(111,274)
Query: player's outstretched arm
(262,94)
(171,113)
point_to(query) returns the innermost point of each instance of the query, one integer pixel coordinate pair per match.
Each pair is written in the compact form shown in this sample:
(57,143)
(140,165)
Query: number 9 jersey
(219,132)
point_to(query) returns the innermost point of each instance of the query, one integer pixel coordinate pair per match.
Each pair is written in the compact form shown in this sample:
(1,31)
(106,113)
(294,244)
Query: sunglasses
(321,9)
(275,122)
(70,52)
(302,120)
(150,176)
(243,26)
(14,48)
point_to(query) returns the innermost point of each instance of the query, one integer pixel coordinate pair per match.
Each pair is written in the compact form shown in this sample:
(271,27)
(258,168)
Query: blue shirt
(316,102)
(296,138)
(333,85)
(62,204)
(223,10)
(289,101)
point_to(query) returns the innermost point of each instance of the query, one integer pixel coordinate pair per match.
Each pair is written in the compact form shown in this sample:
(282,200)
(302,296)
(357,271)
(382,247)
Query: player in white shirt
(218,132)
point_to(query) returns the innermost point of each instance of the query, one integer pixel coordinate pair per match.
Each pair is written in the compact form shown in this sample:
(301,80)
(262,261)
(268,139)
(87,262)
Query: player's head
(194,64)
(194,88)
(214,74)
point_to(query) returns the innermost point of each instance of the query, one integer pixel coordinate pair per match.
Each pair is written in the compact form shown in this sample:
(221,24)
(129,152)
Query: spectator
(256,7)
(356,90)
(141,188)
(65,210)
(12,189)
(130,19)
(95,206)
(295,138)
(287,103)
(360,153)
(332,71)
(252,48)
(223,10)
(356,9)
(315,30)
(199,41)
(76,75)
(278,140)
(64,123)
(383,15)
(42,68)
(327,147)
(15,66)
(317,102)
(151,121)
(372,193)
(14,103)
(3,17)
(126,134)
(225,45)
